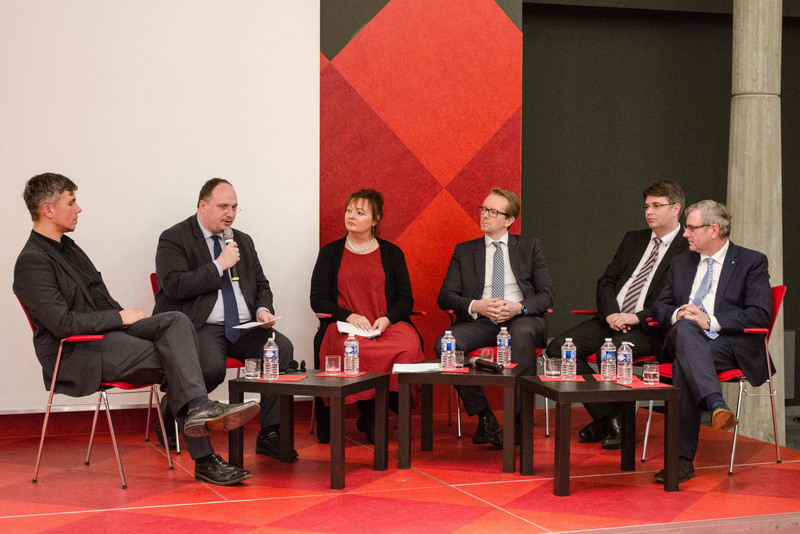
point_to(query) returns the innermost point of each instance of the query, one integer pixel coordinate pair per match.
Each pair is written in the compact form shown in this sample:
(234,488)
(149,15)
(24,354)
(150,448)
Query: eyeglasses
(492,213)
(691,229)
(226,207)
(645,207)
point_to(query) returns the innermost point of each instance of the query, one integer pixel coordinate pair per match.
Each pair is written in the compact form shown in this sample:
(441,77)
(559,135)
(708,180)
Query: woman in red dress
(363,280)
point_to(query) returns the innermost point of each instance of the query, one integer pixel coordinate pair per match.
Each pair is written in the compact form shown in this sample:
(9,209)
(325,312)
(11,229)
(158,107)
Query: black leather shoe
(171,437)
(367,427)
(614,439)
(487,425)
(685,471)
(217,471)
(594,432)
(497,439)
(217,416)
(268,443)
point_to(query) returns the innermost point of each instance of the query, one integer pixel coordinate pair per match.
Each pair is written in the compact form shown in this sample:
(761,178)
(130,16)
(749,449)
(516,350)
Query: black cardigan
(325,290)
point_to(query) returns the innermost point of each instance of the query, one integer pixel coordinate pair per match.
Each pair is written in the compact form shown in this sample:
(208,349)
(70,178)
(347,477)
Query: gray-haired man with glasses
(494,281)
(626,293)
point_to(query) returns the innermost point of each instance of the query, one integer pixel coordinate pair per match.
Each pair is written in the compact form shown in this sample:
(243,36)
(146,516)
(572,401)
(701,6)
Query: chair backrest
(778,292)
(154,282)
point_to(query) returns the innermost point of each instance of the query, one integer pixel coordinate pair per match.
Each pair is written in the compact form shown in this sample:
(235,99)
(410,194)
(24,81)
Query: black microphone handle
(234,272)
(227,234)
(485,364)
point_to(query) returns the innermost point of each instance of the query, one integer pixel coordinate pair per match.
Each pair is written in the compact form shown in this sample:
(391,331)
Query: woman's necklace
(361,250)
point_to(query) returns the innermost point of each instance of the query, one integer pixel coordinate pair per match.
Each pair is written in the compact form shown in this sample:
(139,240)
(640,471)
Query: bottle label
(270,353)
(503,342)
(349,349)
(568,354)
(448,346)
(623,358)
(608,355)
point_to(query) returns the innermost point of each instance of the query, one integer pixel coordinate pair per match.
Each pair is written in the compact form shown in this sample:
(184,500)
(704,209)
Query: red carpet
(457,487)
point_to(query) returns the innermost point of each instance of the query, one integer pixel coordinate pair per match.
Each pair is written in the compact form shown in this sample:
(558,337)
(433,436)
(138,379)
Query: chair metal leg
(94,425)
(177,439)
(736,428)
(647,430)
(150,405)
(160,422)
(774,421)
(104,396)
(41,440)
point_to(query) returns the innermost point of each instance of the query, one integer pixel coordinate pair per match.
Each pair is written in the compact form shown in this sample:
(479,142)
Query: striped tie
(632,296)
(498,278)
(702,291)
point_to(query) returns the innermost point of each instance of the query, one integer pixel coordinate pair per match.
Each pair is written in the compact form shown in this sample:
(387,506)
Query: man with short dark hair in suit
(494,281)
(625,294)
(219,287)
(713,292)
(65,295)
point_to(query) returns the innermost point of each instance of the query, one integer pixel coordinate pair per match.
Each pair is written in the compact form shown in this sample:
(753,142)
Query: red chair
(101,398)
(474,354)
(665,370)
(230,363)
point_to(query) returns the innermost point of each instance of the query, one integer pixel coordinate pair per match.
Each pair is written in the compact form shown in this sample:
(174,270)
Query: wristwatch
(524,310)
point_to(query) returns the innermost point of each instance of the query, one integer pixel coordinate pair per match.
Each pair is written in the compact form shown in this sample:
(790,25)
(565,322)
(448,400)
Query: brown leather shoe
(722,418)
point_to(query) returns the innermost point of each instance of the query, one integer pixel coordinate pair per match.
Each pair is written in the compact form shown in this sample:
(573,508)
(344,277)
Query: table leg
(381,427)
(427,417)
(509,430)
(527,411)
(671,430)
(628,456)
(287,429)
(561,467)
(236,437)
(337,442)
(404,426)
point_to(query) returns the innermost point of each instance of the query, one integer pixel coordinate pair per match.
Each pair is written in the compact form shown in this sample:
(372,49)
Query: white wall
(139,102)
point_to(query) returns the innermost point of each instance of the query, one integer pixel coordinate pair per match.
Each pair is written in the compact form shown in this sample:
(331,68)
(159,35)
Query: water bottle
(503,346)
(625,363)
(271,359)
(448,350)
(569,353)
(351,355)
(608,360)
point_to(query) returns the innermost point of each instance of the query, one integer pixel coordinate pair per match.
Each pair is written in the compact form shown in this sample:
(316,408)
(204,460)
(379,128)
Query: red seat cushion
(123,385)
(733,374)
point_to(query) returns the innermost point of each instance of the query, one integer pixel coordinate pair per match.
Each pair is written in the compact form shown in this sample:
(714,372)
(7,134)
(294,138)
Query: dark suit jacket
(743,300)
(625,261)
(188,280)
(466,277)
(325,291)
(59,305)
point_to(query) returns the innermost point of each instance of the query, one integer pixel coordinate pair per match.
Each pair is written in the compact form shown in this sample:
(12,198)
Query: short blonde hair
(513,201)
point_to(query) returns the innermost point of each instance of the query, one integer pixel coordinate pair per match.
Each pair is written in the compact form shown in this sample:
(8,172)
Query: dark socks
(197,402)
(714,400)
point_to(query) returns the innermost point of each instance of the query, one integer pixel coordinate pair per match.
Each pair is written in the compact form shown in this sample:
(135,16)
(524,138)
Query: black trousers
(527,333)
(588,337)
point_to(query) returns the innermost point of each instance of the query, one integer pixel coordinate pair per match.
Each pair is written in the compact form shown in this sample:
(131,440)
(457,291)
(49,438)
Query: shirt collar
(718,256)
(57,245)
(488,240)
(666,241)
(206,233)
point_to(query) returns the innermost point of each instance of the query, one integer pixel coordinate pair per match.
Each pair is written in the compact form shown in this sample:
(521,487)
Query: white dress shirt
(666,241)
(711,296)
(511,290)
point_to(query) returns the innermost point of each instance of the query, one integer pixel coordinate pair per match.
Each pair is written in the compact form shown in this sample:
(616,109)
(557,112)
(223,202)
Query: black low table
(566,393)
(334,388)
(476,377)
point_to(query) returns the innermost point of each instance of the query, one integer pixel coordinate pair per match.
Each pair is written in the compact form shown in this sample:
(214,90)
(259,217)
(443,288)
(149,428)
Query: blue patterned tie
(228,298)
(498,278)
(702,291)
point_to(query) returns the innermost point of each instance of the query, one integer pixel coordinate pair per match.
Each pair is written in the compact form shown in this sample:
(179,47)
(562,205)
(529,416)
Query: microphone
(227,235)
(485,364)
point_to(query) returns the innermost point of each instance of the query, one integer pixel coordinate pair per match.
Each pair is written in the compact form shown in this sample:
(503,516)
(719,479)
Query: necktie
(228,298)
(702,291)
(498,278)
(635,289)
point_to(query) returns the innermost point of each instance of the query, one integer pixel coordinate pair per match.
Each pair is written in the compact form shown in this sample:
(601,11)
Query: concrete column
(754,177)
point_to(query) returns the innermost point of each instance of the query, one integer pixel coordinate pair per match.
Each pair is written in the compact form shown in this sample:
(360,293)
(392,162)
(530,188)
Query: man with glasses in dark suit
(498,280)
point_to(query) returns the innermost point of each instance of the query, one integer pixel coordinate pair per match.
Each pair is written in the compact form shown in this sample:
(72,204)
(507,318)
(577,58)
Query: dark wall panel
(614,99)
